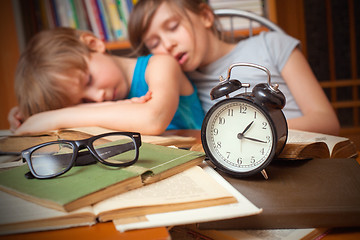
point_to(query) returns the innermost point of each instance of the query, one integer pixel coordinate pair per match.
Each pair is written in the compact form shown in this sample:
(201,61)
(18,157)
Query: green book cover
(86,185)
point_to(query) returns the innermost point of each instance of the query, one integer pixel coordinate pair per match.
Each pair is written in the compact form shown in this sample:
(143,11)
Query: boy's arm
(318,114)
(151,117)
(15,118)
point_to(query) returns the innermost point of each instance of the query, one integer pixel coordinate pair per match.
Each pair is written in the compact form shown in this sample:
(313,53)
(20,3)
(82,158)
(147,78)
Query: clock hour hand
(241,135)
(247,128)
(254,139)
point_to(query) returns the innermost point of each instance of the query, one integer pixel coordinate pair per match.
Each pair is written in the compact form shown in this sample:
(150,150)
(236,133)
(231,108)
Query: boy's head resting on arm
(45,73)
(144,11)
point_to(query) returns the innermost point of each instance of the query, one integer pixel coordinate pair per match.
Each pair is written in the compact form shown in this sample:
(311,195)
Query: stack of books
(164,179)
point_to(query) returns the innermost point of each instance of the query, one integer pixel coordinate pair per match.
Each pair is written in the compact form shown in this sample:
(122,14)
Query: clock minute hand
(255,140)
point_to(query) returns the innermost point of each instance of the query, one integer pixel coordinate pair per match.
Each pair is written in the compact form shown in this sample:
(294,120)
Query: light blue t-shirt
(268,49)
(189,114)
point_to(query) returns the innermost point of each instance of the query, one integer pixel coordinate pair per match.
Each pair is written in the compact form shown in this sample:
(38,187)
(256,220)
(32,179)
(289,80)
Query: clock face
(239,136)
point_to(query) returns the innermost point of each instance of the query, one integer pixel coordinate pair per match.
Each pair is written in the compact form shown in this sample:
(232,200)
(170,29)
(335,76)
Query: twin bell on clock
(242,134)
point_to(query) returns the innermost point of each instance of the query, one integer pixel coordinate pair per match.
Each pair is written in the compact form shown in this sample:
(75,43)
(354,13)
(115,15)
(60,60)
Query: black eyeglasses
(51,159)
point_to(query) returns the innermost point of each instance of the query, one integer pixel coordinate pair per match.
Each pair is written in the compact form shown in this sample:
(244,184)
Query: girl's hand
(142,99)
(15,118)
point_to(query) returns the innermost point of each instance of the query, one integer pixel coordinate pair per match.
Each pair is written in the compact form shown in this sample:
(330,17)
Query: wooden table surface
(100,231)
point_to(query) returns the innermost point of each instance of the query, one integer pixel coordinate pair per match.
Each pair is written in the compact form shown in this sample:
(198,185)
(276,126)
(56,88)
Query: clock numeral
(268,138)
(255,115)
(239,161)
(218,145)
(227,155)
(221,120)
(252,160)
(264,125)
(230,112)
(243,109)
(262,151)
(215,131)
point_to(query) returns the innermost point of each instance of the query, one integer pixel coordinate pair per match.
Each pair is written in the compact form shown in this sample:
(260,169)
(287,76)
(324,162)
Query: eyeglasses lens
(115,149)
(52,159)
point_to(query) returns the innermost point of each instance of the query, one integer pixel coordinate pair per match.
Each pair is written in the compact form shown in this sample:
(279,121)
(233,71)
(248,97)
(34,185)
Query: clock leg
(263,172)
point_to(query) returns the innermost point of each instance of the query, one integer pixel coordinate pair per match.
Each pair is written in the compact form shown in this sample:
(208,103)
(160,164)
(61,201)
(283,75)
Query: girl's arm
(163,76)
(318,114)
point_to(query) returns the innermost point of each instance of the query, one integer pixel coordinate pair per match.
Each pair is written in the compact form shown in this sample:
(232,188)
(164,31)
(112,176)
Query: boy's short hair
(144,10)
(44,69)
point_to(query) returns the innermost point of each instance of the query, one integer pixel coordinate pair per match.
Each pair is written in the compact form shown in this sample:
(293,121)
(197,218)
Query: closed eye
(172,25)
(89,81)
(152,43)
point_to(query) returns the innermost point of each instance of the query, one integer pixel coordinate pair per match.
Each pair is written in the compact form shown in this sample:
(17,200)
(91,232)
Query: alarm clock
(242,134)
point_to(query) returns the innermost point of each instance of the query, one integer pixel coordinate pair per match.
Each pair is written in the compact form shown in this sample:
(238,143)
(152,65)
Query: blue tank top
(189,114)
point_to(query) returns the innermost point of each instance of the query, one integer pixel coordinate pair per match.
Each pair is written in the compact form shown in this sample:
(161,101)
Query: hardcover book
(300,194)
(86,185)
(193,188)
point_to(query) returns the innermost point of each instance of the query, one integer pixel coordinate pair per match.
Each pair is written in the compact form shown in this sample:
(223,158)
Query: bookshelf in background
(107,19)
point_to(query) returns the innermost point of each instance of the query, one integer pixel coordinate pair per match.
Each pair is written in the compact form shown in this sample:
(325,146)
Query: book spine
(81,15)
(55,13)
(61,11)
(123,17)
(73,14)
(105,23)
(86,14)
(125,9)
(129,5)
(116,24)
(94,19)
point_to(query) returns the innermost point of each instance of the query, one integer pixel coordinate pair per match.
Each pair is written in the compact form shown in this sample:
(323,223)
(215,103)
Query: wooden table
(100,231)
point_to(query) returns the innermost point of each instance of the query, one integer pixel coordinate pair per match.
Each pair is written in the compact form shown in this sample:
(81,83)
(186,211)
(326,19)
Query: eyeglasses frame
(79,145)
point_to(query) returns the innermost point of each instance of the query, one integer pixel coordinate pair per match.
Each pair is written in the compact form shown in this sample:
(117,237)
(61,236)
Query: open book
(190,189)
(86,185)
(307,145)
(242,208)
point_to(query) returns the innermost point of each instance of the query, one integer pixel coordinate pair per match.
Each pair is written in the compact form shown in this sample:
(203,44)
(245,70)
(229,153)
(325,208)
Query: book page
(192,185)
(14,210)
(296,136)
(159,140)
(243,207)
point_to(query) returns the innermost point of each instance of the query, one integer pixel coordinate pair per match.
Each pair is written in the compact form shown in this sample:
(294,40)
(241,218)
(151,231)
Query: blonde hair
(44,70)
(144,11)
